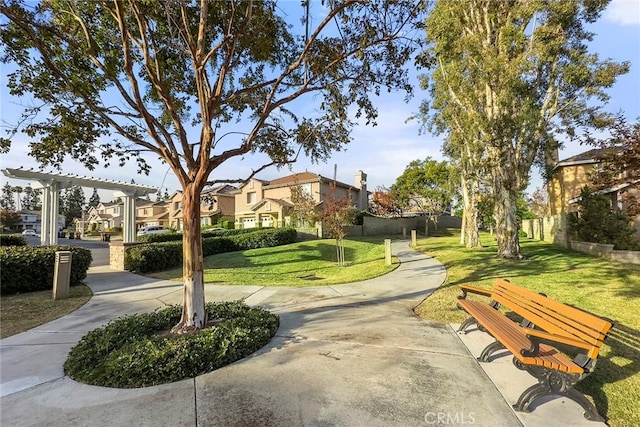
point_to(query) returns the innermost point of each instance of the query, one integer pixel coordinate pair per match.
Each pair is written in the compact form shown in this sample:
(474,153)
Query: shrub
(177,237)
(598,223)
(130,352)
(28,269)
(265,238)
(154,257)
(165,255)
(12,240)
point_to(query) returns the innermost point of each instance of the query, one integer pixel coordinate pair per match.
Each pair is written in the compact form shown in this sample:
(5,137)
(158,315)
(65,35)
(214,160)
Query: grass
(22,312)
(593,284)
(288,265)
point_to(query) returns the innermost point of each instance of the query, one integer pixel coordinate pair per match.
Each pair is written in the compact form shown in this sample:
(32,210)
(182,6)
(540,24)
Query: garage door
(248,223)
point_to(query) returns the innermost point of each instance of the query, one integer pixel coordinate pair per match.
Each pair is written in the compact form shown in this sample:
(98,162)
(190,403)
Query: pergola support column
(49,213)
(129,216)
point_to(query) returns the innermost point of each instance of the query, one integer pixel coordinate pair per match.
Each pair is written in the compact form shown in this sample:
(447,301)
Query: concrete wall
(552,229)
(606,251)
(373,226)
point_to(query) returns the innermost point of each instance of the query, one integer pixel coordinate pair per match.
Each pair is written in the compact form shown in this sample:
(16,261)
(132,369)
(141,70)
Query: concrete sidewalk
(352,355)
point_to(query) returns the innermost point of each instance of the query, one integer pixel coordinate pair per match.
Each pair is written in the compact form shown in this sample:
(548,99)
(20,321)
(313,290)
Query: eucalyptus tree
(199,83)
(509,76)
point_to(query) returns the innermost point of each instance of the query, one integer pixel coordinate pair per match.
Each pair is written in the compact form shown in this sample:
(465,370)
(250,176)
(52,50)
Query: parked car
(30,233)
(152,229)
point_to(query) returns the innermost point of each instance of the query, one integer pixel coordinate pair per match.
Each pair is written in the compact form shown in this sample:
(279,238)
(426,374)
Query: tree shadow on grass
(621,362)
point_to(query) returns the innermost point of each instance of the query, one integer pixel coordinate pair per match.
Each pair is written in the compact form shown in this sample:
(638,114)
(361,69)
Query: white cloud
(623,12)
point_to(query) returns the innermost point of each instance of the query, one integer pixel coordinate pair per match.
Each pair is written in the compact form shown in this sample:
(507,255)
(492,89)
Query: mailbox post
(62,275)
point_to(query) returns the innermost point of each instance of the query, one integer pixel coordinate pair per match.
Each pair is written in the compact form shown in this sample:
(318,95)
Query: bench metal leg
(556,384)
(488,351)
(470,321)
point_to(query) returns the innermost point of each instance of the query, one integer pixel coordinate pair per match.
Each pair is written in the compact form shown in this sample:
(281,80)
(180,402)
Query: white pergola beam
(52,183)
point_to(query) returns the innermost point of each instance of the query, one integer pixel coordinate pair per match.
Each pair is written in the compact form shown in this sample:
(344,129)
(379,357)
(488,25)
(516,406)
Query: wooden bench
(546,326)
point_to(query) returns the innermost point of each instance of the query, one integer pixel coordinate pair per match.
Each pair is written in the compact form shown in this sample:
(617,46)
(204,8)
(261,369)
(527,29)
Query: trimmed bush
(12,240)
(177,237)
(161,256)
(132,352)
(30,268)
(154,257)
(265,238)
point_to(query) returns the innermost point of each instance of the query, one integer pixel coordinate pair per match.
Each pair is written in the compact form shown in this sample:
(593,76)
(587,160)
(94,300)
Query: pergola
(52,183)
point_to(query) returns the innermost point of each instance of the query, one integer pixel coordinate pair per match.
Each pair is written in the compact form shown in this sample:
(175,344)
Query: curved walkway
(353,355)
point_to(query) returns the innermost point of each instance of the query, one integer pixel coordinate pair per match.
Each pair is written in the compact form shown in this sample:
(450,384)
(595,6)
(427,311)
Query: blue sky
(382,151)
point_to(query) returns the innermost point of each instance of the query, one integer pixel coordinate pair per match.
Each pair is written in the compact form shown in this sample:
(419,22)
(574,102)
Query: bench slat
(553,317)
(514,338)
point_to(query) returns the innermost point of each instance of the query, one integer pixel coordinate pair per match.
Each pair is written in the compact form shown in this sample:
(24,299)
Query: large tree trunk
(464,225)
(194,315)
(505,214)
(470,233)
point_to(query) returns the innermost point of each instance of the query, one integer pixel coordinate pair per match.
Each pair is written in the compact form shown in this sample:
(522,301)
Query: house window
(267,206)
(251,184)
(306,188)
(251,198)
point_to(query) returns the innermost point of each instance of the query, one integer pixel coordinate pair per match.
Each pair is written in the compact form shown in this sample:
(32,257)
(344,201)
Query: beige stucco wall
(227,205)
(241,205)
(277,193)
(340,193)
(566,184)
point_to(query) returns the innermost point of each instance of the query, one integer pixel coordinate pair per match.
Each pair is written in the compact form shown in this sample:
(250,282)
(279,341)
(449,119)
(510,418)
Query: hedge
(12,240)
(161,256)
(30,268)
(177,237)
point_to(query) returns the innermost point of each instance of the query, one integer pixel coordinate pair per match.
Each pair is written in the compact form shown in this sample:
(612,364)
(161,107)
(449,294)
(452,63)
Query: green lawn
(22,312)
(288,265)
(608,289)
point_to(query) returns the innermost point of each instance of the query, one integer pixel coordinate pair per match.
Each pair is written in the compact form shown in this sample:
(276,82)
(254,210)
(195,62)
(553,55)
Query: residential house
(32,220)
(152,213)
(262,203)
(571,175)
(218,203)
(107,215)
(110,215)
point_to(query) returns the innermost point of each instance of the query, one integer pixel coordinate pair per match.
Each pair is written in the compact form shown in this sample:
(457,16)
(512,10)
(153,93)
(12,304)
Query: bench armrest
(537,336)
(474,290)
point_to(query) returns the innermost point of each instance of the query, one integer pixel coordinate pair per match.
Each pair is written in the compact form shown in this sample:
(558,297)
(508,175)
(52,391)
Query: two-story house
(261,203)
(217,203)
(109,215)
(152,213)
(106,215)
(32,220)
(571,175)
